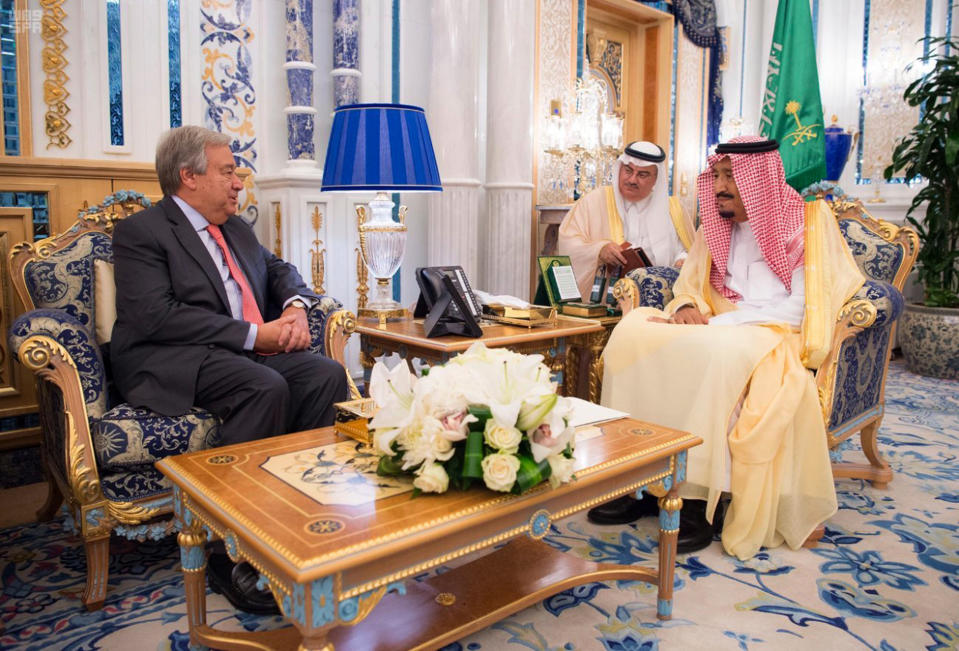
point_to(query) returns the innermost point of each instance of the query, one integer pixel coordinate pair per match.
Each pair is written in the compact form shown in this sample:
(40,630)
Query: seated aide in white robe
(635,209)
(769,273)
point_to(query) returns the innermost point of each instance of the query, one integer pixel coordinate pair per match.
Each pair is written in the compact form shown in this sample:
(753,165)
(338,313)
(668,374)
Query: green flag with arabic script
(792,109)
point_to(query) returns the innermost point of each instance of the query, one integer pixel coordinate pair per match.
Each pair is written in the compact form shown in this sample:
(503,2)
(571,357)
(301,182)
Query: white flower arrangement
(488,413)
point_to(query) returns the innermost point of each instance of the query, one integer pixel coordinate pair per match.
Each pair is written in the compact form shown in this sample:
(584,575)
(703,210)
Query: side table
(408,338)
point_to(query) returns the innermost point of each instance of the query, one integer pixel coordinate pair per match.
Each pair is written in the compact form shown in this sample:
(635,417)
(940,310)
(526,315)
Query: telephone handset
(447,302)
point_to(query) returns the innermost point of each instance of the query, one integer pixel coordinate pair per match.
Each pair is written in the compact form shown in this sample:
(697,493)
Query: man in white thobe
(769,274)
(636,209)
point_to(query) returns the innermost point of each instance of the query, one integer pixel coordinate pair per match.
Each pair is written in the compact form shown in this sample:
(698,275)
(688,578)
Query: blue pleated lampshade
(380,147)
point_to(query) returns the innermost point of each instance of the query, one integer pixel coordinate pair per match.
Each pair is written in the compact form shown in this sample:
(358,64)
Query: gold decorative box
(353,417)
(534,315)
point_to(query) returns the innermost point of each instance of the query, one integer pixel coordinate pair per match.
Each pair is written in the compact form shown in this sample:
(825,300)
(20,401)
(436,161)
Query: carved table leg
(597,342)
(193,560)
(571,373)
(669,506)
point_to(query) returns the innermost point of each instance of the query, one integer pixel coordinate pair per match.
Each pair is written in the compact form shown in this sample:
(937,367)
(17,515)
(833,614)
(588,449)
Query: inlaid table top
(307,508)
(411,332)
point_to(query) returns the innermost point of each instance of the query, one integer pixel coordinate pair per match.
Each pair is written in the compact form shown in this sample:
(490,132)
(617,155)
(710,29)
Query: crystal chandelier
(583,137)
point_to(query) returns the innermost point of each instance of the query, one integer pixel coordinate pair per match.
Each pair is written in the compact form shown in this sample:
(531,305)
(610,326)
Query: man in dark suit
(207,316)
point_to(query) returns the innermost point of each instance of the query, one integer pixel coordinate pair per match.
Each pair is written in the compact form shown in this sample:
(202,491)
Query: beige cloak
(774,459)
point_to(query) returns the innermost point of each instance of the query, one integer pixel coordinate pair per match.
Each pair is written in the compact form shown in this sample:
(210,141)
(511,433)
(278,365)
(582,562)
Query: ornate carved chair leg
(815,536)
(53,501)
(881,472)
(98,567)
(669,506)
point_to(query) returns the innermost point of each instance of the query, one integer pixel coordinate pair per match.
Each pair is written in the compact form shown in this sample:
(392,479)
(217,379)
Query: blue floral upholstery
(877,258)
(888,301)
(78,340)
(127,437)
(134,483)
(655,285)
(64,280)
(862,359)
(859,375)
(318,315)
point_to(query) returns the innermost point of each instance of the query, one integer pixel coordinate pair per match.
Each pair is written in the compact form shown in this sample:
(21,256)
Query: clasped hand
(284,335)
(688,315)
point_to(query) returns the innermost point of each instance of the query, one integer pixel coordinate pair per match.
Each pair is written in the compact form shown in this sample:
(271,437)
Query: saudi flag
(792,110)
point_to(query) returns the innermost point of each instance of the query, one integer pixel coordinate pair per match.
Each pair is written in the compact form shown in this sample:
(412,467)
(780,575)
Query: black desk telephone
(446,302)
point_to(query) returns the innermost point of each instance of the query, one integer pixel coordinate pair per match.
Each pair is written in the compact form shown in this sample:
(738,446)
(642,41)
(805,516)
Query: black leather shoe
(623,510)
(695,533)
(237,582)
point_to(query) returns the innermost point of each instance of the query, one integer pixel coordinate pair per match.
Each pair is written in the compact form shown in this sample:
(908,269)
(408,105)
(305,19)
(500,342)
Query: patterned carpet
(886,576)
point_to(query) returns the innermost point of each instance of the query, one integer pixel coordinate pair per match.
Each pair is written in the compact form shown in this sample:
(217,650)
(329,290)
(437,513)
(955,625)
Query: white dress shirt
(764,296)
(233,293)
(662,245)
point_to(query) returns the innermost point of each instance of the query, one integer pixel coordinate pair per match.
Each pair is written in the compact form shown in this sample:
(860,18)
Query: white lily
(552,434)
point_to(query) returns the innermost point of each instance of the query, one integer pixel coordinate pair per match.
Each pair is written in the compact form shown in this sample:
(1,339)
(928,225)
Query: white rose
(499,471)
(505,439)
(561,469)
(432,479)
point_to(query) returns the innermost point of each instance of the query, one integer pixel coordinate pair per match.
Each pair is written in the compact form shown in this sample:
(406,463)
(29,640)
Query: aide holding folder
(636,211)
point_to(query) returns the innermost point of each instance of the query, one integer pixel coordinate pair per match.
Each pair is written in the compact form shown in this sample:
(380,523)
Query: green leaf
(931,150)
(530,473)
(389,466)
(473,456)
(952,149)
(482,413)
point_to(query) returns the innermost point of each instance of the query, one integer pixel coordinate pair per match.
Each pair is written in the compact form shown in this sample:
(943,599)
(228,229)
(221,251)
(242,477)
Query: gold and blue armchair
(98,452)
(851,380)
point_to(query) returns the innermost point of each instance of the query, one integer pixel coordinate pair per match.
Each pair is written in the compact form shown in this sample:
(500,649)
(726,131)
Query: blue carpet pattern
(886,575)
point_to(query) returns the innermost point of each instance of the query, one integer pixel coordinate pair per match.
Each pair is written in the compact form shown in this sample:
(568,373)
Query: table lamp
(384,148)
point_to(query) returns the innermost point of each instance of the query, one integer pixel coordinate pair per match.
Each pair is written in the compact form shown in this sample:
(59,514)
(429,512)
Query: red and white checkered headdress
(775,211)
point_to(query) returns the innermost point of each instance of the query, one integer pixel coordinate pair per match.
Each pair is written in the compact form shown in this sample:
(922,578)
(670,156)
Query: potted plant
(929,332)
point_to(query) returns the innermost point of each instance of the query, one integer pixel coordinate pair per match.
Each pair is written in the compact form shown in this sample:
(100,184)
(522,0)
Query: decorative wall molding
(55,63)
(317,253)
(227,84)
(555,66)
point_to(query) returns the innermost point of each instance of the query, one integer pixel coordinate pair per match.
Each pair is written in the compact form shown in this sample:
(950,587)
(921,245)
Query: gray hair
(184,148)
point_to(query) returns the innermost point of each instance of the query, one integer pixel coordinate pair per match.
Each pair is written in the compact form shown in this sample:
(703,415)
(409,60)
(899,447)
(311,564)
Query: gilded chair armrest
(79,346)
(57,357)
(626,293)
(863,330)
(330,329)
(652,287)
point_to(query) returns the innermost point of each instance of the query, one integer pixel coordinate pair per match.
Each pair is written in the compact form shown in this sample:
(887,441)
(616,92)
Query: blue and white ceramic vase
(838,146)
(929,339)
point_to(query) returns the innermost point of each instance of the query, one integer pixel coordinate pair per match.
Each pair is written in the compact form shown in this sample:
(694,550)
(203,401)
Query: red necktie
(251,313)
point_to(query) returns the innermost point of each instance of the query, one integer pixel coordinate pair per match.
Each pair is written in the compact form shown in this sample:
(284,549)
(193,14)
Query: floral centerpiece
(487,414)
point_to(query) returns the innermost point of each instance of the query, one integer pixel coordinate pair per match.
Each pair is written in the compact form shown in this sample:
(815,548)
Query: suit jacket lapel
(192,244)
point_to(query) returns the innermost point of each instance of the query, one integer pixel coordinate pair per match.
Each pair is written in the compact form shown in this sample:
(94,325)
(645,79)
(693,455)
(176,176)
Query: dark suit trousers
(257,396)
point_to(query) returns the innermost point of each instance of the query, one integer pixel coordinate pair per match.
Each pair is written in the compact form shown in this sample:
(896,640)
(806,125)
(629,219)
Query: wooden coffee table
(338,569)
